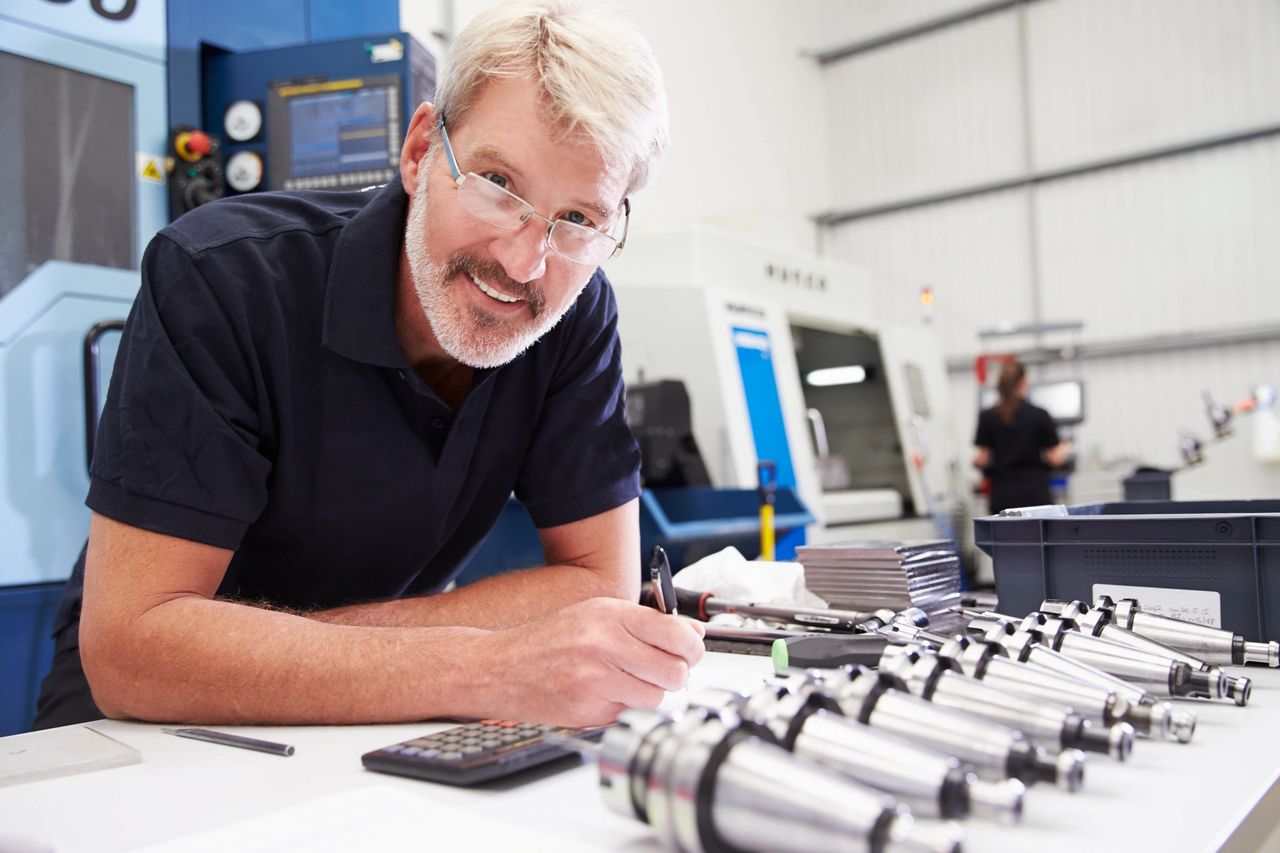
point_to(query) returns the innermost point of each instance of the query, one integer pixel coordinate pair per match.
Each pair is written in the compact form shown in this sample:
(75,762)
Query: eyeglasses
(498,206)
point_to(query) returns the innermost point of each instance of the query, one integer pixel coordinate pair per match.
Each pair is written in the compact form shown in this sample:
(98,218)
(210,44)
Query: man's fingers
(634,692)
(655,667)
(680,637)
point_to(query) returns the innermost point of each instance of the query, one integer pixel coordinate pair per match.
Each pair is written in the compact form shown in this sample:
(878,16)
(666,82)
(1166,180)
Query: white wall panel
(937,112)
(1175,245)
(1110,77)
(836,23)
(972,252)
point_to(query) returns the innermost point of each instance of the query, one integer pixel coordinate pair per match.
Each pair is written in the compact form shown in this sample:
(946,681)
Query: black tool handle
(828,651)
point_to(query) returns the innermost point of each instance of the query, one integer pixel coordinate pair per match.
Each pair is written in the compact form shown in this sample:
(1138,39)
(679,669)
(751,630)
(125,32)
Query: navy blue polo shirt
(261,402)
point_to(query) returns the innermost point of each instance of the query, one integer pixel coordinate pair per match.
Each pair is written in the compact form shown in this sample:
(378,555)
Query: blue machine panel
(26,614)
(755,360)
(760,385)
(135,27)
(335,19)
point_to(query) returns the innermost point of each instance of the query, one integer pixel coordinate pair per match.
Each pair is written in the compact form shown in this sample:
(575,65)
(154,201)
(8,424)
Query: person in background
(323,400)
(1017,445)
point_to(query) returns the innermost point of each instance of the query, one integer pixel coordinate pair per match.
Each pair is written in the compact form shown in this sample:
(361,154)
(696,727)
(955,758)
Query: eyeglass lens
(494,205)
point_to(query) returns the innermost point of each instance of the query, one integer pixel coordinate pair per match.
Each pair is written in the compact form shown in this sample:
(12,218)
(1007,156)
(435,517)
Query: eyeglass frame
(459,177)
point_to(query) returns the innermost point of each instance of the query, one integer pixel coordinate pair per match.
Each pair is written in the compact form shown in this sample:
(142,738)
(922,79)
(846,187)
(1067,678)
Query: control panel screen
(338,133)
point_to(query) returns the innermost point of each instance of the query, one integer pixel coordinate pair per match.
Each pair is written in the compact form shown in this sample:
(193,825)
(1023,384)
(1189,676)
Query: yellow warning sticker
(150,168)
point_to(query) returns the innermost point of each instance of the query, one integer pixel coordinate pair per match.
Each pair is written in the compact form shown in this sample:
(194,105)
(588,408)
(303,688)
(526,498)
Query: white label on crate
(1190,605)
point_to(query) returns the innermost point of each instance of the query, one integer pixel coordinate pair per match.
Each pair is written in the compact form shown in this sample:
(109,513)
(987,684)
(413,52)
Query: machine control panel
(196,175)
(327,115)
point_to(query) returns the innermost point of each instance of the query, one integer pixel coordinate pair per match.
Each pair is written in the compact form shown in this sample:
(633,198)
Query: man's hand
(585,664)
(1057,455)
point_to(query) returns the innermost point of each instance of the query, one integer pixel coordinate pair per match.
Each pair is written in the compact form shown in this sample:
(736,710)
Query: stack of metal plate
(873,573)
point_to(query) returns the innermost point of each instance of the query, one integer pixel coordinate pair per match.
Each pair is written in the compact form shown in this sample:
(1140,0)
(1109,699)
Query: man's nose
(523,252)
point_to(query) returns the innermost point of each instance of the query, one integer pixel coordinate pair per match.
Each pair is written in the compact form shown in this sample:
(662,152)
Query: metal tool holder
(948,728)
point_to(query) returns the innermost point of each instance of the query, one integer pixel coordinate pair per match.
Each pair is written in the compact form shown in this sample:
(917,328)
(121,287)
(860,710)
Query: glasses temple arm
(448,150)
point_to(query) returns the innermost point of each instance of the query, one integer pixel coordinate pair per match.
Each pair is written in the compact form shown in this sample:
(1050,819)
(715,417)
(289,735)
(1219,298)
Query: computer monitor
(1063,399)
(335,133)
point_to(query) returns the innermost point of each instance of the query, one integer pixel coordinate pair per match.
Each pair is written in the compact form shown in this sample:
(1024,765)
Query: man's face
(490,293)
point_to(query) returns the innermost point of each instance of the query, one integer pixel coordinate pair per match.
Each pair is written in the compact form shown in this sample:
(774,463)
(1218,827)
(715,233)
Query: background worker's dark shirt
(1017,470)
(261,403)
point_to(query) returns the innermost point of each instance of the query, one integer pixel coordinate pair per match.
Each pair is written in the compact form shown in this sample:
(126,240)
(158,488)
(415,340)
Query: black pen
(232,740)
(661,585)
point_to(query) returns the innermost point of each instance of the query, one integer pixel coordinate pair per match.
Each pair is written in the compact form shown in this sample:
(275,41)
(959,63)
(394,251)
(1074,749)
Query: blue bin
(690,522)
(26,650)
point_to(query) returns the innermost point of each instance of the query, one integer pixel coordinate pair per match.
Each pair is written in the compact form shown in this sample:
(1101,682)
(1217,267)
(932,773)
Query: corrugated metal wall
(1113,76)
(1180,245)
(935,112)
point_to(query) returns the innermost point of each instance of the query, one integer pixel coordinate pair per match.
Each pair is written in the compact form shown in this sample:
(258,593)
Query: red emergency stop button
(191,145)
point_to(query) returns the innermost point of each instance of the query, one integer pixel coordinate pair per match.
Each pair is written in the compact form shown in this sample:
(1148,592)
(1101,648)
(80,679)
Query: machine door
(857,445)
(917,380)
(81,193)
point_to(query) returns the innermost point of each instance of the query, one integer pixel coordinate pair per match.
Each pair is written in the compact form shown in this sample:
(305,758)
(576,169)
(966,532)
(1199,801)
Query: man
(312,424)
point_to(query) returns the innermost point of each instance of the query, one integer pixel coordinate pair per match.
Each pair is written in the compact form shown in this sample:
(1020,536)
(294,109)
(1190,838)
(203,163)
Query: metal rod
(1133,346)
(839,217)
(848,51)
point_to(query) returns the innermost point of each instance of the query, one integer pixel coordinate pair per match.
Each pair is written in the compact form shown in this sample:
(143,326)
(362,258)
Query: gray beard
(468,333)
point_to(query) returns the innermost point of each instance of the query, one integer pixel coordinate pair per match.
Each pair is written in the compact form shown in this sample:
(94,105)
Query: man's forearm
(496,602)
(197,660)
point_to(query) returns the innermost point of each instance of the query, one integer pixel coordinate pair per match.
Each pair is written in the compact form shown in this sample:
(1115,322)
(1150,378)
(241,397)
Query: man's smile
(490,290)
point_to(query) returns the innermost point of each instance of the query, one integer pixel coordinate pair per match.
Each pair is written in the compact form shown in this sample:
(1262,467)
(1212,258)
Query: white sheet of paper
(367,818)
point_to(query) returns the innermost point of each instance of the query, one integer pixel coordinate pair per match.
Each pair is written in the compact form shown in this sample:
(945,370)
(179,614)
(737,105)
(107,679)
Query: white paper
(1201,606)
(378,817)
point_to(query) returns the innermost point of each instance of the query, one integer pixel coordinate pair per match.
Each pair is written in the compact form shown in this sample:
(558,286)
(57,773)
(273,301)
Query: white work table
(1219,791)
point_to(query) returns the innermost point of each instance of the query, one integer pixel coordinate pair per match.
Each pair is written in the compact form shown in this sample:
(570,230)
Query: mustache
(492,273)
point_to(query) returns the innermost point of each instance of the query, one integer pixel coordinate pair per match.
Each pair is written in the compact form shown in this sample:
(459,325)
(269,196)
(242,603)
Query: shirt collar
(360,296)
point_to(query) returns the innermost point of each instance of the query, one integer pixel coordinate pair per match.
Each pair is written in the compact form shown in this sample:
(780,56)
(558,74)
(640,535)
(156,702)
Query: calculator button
(473,749)
(451,755)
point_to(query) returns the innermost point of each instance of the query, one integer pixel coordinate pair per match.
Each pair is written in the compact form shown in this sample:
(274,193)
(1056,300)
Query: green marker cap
(781,659)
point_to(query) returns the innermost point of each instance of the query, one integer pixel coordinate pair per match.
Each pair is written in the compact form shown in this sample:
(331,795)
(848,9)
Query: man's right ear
(416,144)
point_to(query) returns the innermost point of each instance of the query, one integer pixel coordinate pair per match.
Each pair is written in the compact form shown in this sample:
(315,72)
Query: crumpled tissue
(729,575)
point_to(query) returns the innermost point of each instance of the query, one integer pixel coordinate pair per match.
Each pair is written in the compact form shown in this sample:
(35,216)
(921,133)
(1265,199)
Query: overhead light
(850,374)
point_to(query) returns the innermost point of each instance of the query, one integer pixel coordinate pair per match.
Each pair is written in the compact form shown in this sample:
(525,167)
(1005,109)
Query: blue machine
(84,187)
(83,192)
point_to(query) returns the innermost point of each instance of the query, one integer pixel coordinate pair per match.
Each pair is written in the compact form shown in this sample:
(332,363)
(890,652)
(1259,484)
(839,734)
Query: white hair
(596,72)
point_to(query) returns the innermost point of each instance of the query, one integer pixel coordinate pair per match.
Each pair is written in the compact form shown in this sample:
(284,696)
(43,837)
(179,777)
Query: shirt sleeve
(583,459)
(1048,434)
(178,445)
(983,437)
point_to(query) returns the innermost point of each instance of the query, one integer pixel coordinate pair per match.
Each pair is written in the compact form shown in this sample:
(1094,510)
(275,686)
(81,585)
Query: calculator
(475,752)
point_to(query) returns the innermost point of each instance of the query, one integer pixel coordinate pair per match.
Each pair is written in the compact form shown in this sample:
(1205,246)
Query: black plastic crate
(1148,485)
(1228,547)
